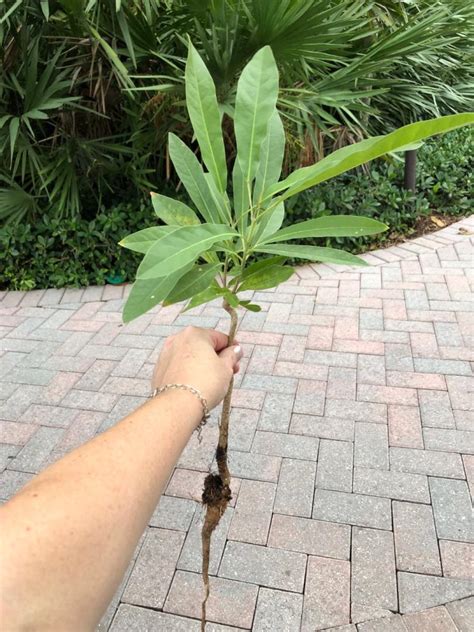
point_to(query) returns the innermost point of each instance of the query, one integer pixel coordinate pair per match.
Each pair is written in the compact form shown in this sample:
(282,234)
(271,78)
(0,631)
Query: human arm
(67,538)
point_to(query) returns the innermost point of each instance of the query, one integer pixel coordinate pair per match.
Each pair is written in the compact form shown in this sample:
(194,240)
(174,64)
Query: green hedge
(59,253)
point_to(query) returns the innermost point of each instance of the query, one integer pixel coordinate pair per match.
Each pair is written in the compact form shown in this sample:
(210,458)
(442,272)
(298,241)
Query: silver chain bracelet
(194,391)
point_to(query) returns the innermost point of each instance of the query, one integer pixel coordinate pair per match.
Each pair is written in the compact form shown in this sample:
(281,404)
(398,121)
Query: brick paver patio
(352,443)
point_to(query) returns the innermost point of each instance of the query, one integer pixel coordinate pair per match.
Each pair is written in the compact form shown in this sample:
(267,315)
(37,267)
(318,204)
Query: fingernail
(238,350)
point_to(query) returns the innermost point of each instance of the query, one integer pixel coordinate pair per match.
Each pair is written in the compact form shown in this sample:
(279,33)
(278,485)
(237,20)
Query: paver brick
(457,559)
(294,495)
(357,411)
(35,452)
(314,537)
(462,613)
(323,427)
(386,394)
(371,445)
(285,445)
(276,412)
(230,602)
(355,509)
(416,544)
(15,433)
(449,440)
(253,512)
(310,397)
(341,384)
(408,379)
(418,592)
(432,620)
(7,452)
(388,624)
(154,569)
(82,399)
(391,484)
(370,369)
(452,509)
(173,513)
(259,467)
(273,568)
(327,594)
(447,367)
(277,610)
(241,429)
(373,569)
(11,482)
(300,370)
(331,358)
(335,465)
(404,426)
(435,408)
(426,462)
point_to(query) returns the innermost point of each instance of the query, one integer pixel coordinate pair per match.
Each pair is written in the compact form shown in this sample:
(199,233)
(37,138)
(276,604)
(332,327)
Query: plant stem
(217,493)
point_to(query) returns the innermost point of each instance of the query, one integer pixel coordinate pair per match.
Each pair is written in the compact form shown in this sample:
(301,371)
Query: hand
(199,358)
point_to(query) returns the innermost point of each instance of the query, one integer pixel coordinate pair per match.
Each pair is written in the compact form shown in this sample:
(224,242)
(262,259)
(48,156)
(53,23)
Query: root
(217,494)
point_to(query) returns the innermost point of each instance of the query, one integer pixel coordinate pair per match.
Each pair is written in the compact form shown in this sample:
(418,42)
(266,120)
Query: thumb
(232,356)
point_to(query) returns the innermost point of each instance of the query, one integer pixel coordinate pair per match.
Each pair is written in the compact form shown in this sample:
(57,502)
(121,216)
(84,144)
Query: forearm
(83,516)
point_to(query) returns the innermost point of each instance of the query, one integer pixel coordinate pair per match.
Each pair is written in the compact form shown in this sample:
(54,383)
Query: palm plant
(206,251)
(98,127)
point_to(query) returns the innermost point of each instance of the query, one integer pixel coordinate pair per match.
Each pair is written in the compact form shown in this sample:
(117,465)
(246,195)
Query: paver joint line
(352,448)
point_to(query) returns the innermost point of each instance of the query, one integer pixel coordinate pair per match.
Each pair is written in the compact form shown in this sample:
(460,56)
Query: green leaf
(262,264)
(193,282)
(14,126)
(143,240)
(270,222)
(329,226)
(192,176)
(313,253)
(271,157)
(201,102)
(241,197)
(206,296)
(173,212)
(250,306)
(270,276)
(257,92)
(181,247)
(145,294)
(358,154)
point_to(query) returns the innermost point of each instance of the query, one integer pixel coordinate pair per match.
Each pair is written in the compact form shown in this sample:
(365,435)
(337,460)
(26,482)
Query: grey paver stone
(419,592)
(452,509)
(457,558)
(49,415)
(449,440)
(285,445)
(335,465)
(253,512)
(277,610)
(294,495)
(357,411)
(7,452)
(274,568)
(154,569)
(323,427)
(462,613)
(373,569)
(355,509)
(416,544)
(34,453)
(173,513)
(426,462)
(135,619)
(325,539)
(435,408)
(371,445)
(254,466)
(432,620)
(270,383)
(11,482)
(85,401)
(327,594)
(446,367)
(391,484)
(230,602)
(276,412)
(190,558)
(242,428)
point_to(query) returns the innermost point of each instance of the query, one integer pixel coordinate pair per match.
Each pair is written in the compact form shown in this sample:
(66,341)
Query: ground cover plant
(205,251)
